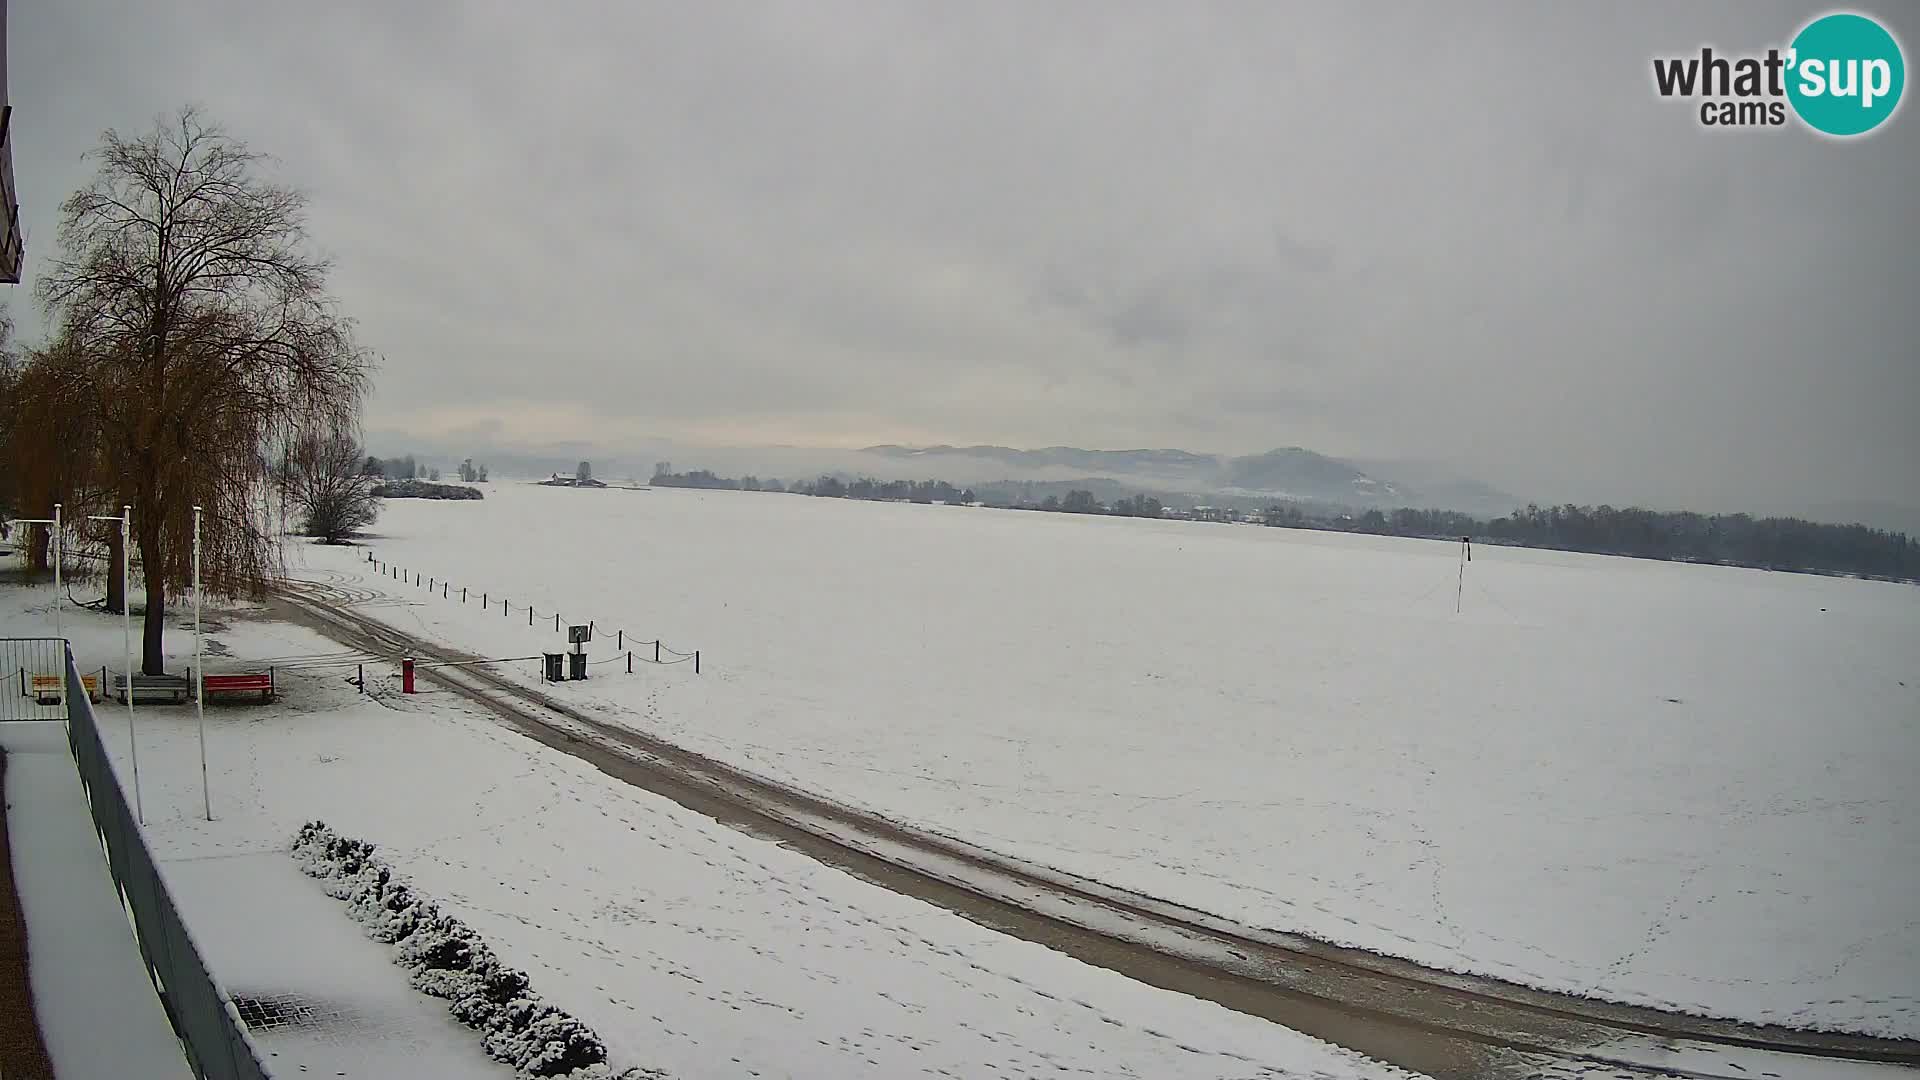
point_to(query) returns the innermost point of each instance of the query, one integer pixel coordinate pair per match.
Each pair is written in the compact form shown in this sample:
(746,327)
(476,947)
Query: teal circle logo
(1845,74)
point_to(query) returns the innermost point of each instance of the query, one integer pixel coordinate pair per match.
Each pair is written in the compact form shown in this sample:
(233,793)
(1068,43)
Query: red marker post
(406,675)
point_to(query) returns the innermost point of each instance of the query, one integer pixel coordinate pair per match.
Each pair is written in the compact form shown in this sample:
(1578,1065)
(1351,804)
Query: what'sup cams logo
(1842,75)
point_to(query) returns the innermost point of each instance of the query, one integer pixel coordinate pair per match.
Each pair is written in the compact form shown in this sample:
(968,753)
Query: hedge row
(445,958)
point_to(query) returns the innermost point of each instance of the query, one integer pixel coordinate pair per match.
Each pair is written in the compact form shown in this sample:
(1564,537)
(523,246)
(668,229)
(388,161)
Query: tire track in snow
(1445,1024)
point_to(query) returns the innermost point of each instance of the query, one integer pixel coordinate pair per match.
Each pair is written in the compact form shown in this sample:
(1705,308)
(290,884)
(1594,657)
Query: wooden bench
(47,689)
(249,682)
(169,688)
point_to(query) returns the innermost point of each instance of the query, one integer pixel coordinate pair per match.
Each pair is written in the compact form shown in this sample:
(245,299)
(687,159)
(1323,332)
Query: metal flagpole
(126,631)
(59,552)
(59,595)
(199,676)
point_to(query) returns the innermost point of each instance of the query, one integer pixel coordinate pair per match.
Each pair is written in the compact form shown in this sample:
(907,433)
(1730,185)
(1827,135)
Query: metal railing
(33,679)
(209,1026)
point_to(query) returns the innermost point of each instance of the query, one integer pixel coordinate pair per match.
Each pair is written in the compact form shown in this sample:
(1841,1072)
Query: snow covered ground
(1683,786)
(688,946)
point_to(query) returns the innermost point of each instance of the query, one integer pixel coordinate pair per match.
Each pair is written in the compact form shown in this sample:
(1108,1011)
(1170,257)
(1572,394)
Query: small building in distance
(556,480)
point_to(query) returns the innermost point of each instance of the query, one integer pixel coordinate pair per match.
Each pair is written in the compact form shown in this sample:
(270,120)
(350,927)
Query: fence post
(529,614)
(556,622)
(406,675)
(620,640)
(656,650)
(463,594)
(629,662)
(444,589)
(696,661)
(361,677)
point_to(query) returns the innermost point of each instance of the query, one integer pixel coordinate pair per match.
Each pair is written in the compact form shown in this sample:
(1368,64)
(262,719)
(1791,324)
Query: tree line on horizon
(1775,543)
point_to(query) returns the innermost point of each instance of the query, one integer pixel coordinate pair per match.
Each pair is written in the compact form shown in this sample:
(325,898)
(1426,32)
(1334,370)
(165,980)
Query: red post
(406,675)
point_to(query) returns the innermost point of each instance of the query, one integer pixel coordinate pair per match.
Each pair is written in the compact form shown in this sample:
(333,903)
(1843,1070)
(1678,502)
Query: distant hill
(1304,474)
(1429,486)
(1072,458)
(1292,472)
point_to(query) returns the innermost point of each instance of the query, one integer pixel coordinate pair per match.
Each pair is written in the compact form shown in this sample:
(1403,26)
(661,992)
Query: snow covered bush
(443,957)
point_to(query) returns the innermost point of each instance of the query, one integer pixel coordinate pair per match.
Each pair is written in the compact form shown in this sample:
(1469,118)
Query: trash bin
(576,665)
(553,666)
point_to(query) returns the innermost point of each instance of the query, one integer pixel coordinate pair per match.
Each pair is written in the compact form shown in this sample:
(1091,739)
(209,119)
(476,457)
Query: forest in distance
(1770,543)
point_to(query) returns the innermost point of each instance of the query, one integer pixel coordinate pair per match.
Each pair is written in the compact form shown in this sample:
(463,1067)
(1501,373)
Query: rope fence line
(417,666)
(432,582)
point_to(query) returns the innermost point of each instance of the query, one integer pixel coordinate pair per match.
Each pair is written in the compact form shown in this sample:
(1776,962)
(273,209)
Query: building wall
(12,244)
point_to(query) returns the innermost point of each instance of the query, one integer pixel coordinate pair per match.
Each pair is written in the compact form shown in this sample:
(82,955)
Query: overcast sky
(1465,235)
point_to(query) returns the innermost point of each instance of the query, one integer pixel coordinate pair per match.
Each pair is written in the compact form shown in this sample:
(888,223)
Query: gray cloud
(1470,235)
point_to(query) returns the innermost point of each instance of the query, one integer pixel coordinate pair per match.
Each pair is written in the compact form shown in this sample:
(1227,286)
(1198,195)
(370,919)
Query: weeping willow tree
(195,323)
(52,448)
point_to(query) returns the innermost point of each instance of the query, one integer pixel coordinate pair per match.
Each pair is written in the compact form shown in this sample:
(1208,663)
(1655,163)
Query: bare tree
(203,331)
(327,481)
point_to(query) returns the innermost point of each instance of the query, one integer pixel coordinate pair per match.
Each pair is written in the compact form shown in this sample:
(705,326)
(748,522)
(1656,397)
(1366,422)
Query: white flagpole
(126,632)
(199,676)
(59,551)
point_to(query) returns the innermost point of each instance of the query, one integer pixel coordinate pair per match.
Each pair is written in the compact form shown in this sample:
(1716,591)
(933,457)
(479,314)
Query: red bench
(260,682)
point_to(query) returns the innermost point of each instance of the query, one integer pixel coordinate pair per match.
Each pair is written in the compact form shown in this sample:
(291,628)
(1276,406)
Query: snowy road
(1441,1023)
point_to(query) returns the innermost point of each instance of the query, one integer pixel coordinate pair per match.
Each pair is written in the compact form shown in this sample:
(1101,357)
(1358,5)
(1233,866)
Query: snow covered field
(1684,786)
(688,946)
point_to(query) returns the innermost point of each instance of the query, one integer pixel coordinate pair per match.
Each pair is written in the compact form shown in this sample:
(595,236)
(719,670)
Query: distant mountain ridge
(1056,456)
(1291,472)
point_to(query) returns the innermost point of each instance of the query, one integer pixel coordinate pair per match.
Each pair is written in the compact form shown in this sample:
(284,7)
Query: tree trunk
(153,659)
(39,545)
(116,580)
